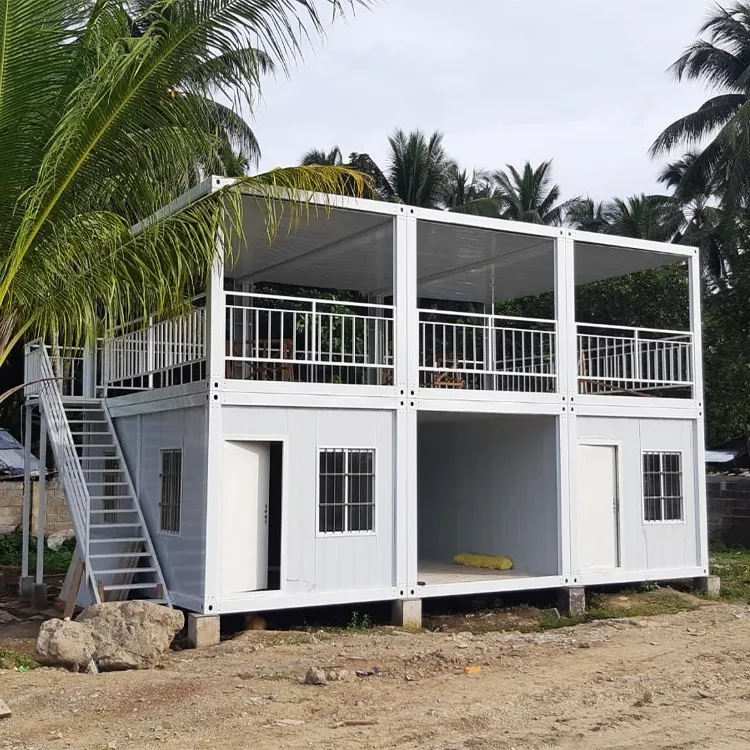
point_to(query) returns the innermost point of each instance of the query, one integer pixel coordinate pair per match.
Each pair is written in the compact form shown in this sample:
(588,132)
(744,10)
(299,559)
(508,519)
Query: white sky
(580,81)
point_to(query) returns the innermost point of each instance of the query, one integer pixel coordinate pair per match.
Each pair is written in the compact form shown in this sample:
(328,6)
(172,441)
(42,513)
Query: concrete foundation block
(26,587)
(39,595)
(571,600)
(407,613)
(708,585)
(203,630)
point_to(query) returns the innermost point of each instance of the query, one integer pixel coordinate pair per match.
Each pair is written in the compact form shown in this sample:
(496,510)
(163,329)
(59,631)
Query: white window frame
(348,450)
(178,504)
(663,496)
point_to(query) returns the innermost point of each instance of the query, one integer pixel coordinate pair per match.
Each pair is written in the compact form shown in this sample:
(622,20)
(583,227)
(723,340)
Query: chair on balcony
(276,365)
(446,375)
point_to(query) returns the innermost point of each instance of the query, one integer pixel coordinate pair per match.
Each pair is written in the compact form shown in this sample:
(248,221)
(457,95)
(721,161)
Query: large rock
(116,635)
(130,635)
(66,643)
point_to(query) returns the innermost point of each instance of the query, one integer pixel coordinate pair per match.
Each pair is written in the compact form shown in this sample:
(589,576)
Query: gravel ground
(674,681)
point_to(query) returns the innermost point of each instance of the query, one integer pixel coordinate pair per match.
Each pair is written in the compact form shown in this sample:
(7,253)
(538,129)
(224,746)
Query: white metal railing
(63,446)
(615,359)
(152,354)
(67,364)
(487,352)
(298,339)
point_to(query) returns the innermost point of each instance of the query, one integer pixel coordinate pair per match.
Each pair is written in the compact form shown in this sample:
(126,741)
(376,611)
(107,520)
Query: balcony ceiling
(345,249)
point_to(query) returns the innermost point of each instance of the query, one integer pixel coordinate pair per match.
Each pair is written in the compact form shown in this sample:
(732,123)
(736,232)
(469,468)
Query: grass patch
(10,659)
(649,604)
(732,565)
(55,561)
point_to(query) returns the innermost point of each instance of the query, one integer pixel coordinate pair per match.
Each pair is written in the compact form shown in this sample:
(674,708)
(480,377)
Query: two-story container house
(288,448)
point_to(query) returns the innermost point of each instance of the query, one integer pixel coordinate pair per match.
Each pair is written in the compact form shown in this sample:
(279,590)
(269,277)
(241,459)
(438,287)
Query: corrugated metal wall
(182,556)
(654,546)
(314,562)
(489,486)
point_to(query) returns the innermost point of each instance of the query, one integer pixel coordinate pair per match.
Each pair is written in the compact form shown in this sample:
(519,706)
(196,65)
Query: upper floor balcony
(378,296)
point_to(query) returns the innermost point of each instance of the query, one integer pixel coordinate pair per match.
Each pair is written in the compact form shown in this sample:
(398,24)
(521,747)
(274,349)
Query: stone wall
(11,498)
(729,509)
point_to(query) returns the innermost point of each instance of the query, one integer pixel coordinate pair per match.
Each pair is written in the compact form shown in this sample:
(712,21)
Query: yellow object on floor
(484,561)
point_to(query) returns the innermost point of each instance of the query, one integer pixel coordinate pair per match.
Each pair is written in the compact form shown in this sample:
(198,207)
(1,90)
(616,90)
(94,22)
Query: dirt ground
(673,681)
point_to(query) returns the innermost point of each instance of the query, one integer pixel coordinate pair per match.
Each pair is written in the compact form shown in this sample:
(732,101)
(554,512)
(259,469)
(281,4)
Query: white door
(598,516)
(244,519)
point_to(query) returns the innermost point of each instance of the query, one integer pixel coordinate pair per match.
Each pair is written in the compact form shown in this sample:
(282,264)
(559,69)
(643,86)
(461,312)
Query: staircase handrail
(66,456)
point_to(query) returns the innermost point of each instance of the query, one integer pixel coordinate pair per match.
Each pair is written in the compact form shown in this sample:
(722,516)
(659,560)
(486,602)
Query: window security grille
(662,486)
(170,500)
(346,499)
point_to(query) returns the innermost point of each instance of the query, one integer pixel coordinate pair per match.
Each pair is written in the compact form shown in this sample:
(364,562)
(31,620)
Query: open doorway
(252,480)
(487,487)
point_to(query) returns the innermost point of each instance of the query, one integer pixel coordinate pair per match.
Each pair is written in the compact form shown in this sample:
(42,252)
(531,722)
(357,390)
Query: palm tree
(645,217)
(101,128)
(418,167)
(529,195)
(704,223)
(469,192)
(207,77)
(722,62)
(316,157)
(588,215)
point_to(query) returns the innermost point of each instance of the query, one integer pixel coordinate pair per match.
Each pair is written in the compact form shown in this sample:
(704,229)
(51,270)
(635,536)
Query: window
(170,499)
(346,501)
(662,487)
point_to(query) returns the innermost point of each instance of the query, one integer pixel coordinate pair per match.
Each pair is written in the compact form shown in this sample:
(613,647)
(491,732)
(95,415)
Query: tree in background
(529,195)
(721,60)
(418,167)
(317,158)
(588,215)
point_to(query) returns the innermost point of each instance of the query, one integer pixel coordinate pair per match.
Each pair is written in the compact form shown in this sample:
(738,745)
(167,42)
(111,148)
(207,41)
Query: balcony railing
(302,340)
(305,340)
(486,352)
(164,353)
(620,360)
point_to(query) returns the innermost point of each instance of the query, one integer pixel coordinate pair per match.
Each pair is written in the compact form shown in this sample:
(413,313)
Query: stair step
(113,510)
(110,497)
(76,433)
(101,556)
(96,458)
(118,525)
(117,571)
(103,484)
(127,586)
(87,421)
(116,539)
(97,445)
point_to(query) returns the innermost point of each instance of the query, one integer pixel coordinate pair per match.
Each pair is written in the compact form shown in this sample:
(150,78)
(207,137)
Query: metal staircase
(112,536)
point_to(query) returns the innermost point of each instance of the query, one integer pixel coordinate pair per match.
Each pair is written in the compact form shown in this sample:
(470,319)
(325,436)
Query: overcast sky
(580,81)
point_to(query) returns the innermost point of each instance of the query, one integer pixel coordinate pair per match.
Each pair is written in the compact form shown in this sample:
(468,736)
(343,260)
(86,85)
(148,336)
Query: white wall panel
(312,562)
(650,546)
(489,486)
(181,556)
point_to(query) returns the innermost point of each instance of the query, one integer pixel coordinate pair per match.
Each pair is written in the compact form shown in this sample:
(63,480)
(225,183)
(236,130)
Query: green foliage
(359,622)
(55,561)
(732,565)
(17,660)
(529,195)
(106,116)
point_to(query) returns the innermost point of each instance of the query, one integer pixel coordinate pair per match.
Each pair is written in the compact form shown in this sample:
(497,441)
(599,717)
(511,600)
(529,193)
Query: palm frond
(691,129)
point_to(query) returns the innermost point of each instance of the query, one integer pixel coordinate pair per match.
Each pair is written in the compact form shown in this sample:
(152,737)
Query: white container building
(283,448)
